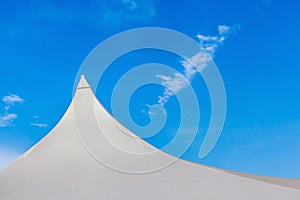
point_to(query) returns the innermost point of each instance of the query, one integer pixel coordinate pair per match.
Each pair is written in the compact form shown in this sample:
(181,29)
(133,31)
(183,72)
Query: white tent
(76,161)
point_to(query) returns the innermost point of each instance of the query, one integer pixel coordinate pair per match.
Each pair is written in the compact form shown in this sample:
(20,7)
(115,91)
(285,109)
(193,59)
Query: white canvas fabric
(76,161)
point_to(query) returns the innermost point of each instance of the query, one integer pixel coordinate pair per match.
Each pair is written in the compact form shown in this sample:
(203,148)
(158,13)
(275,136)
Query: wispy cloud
(224,30)
(147,7)
(119,11)
(12,99)
(99,12)
(109,14)
(197,63)
(39,125)
(172,85)
(7,119)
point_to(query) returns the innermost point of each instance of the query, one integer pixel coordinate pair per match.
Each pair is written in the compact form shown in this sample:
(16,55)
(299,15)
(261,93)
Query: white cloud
(224,30)
(39,125)
(7,119)
(131,3)
(93,12)
(12,99)
(172,85)
(127,10)
(7,107)
(197,63)
(146,7)
(206,38)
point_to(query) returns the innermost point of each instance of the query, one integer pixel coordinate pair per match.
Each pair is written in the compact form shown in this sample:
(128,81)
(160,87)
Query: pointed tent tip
(83,83)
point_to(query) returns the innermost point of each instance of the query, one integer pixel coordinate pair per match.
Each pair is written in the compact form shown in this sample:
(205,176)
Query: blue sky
(44,43)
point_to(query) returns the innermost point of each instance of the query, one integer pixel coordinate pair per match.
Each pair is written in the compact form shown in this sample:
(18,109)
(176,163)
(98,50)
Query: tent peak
(83,83)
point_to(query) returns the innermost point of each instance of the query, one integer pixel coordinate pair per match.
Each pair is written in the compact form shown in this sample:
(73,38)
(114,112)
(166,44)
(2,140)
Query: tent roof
(77,160)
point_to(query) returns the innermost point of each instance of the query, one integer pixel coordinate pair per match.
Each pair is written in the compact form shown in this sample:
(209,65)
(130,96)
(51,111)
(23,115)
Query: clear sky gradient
(44,43)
